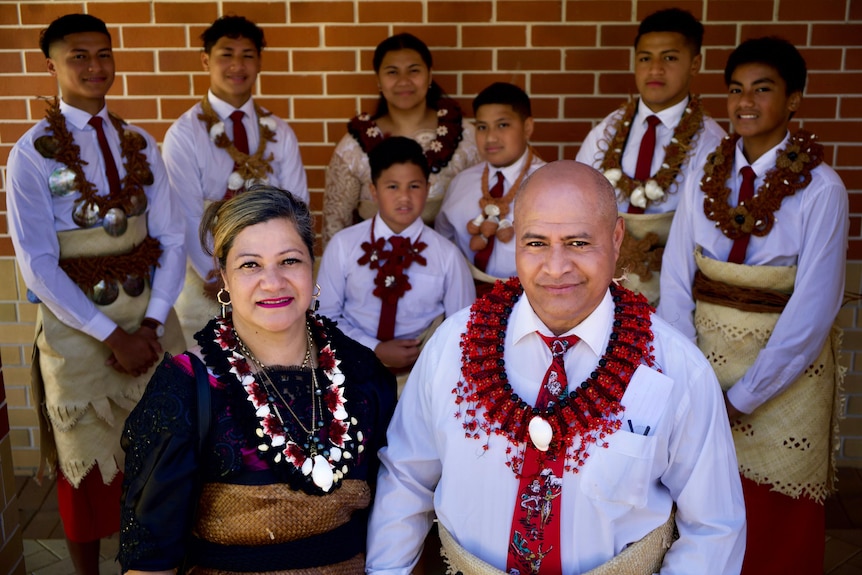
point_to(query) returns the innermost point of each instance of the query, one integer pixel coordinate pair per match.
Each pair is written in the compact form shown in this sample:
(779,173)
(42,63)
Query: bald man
(555,425)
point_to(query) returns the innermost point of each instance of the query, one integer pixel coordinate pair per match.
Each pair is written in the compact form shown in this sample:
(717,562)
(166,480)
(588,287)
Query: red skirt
(92,511)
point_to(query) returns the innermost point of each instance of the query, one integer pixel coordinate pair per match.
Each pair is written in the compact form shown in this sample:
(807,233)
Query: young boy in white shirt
(388,279)
(221,145)
(648,147)
(477,212)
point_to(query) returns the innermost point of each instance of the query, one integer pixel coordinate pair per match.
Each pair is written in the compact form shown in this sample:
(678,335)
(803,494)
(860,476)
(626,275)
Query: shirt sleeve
(459,290)
(807,319)
(30,210)
(292,169)
(340,197)
(589,150)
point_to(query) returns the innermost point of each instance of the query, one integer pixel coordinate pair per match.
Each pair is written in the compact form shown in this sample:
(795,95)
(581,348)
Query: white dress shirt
(461,205)
(621,493)
(592,151)
(199,170)
(442,286)
(32,207)
(810,232)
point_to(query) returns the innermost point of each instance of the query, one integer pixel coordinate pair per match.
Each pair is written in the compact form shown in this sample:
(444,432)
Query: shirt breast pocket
(621,471)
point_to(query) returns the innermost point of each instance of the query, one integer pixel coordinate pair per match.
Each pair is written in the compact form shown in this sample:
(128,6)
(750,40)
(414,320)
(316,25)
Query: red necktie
(534,542)
(643,168)
(388,309)
(110,165)
(746,192)
(240,137)
(484,255)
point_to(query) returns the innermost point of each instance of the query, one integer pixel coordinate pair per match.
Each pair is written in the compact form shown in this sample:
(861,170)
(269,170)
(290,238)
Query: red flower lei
(586,413)
(449,133)
(391,281)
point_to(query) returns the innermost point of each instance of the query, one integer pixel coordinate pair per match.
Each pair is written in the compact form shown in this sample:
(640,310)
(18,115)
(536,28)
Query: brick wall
(11,543)
(573,57)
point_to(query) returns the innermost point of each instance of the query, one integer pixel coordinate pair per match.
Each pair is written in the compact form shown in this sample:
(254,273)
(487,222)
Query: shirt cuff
(100,327)
(742,399)
(158,309)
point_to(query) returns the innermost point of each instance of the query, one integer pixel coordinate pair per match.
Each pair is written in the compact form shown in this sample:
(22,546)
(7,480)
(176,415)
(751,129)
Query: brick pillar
(11,540)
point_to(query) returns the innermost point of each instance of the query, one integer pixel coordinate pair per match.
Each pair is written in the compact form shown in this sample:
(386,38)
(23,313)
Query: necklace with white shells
(327,452)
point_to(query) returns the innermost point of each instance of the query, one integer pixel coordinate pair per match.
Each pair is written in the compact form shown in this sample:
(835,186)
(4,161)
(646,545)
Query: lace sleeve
(340,197)
(160,472)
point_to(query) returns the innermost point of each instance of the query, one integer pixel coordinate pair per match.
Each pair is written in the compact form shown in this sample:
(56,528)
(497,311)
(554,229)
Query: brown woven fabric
(88,271)
(742,298)
(353,566)
(269,514)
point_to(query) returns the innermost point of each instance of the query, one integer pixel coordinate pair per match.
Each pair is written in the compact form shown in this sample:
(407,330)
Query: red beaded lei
(583,415)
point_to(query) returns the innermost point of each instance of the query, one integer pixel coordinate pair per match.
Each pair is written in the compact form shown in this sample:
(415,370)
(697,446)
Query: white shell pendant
(322,474)
(541,433)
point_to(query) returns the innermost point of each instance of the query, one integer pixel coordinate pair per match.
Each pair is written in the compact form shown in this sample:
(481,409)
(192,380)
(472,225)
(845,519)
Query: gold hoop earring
(315,303)
(224,304)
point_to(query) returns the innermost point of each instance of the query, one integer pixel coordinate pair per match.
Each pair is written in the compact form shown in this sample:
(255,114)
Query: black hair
(405,41)
(774,52)
(674,20)
(396,150)
(233,27)
(70,24)
(506,94)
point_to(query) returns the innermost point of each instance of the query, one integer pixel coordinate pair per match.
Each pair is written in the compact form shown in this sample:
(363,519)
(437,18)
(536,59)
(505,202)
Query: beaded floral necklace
(655,189)
(586,412)
(391,282)
(792,172)
(248,167)
(441,149)
(328,458)
(60,145)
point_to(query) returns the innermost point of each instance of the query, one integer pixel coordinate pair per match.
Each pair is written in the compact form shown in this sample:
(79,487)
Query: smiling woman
(298,412)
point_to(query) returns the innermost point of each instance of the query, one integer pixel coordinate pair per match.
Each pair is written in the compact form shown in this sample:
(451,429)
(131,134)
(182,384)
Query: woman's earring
(315,303)
(224,304)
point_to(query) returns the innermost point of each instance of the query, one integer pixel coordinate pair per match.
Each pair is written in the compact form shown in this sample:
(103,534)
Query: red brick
(290,84)
(279,106)
(795,33)
(10,62)
(35,62)
(19,39)
(850,107)
(854,250)
(292,36)
(529,59)
(335,130)
(324,60)
(494,35)
(347,84)
(122,12)
(388,12)
(316,180)
(834,131)
(855,9)
(563,35)
(136,61)
(836,34)
(598,10)
(529,10)
(547,108)
(557,131)
(276,61)
(465,59)
(28,86)
(598,59)
(44,13)
(855,201)
(807,11)
(849,156)
(616,83)
(307,131)
(163,85)
(813,107)
(460,11)
(173,108)
(647,7)
(315,155)
(475,83)
(180,61)
(717,108)
(258,12)
(314,12)
(150,36)
(315,108)
(715,59)
(832,83)
(8,15)
(186,12)
(855,226)
(709,83)
(10,132)
(549,153)
(355,36)
(544,83)
(719,35)
(736,10)
(6,245)
(156,129)
(618,35)
(433,35)
(134,109)
(15,110)
(594,108)
(853,59)
(4,158)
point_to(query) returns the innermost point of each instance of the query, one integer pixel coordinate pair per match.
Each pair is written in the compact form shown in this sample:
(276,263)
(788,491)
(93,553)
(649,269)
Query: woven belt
(741,298)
